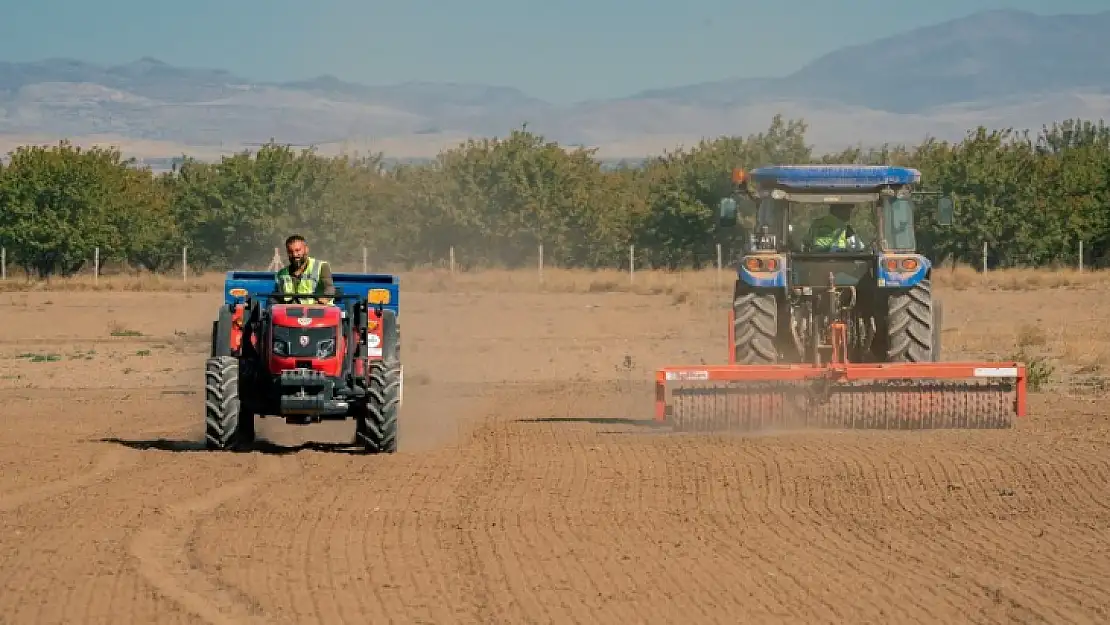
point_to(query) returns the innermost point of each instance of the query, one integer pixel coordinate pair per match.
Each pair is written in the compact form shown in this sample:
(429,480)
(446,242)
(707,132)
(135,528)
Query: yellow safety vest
(310,277)
(827,232)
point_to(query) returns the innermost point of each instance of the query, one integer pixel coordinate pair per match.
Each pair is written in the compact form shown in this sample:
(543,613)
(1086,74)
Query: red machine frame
(838,369)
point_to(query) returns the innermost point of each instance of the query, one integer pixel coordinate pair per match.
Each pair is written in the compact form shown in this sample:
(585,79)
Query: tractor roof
(834,176)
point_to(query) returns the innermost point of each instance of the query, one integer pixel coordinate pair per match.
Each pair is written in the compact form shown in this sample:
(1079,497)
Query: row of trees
(1031,198)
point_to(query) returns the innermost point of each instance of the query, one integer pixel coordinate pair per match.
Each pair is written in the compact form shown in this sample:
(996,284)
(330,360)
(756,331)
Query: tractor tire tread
(224,423)
(376,430)
(910,331)
(755,325)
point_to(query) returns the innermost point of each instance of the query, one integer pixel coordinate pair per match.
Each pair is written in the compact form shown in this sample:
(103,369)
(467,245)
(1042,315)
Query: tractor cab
(817,219)
(831,246)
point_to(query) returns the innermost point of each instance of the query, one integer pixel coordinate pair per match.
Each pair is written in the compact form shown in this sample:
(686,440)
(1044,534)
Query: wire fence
(638,261)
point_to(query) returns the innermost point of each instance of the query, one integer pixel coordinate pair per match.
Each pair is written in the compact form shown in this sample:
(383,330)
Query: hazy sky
(561,50)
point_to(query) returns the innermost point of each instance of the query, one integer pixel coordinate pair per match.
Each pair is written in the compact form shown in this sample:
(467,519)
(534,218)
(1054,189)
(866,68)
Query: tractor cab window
(898,224)
(816,223)
(771,214)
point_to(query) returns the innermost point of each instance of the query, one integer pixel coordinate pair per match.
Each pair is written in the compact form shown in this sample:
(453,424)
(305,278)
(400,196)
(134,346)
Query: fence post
(720,262)
(984,257)
(3,263)
(541,263)
(1081,256)
(451,259)
(96,265)
(632,263)
(184,263)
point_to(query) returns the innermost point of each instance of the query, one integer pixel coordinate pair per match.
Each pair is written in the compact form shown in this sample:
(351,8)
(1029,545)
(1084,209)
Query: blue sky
(562,51)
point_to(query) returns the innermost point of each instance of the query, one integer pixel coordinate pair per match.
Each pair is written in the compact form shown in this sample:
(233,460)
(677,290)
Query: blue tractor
(832,244)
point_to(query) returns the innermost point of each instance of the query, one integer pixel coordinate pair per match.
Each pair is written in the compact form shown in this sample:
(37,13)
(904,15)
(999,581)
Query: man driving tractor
(833,232)
(304,275)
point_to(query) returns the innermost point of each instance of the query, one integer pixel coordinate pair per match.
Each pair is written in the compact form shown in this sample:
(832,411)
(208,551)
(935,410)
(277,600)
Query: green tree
(1031,198)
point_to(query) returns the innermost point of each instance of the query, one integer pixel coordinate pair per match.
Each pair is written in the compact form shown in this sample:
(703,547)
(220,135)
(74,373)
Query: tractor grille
(304,342)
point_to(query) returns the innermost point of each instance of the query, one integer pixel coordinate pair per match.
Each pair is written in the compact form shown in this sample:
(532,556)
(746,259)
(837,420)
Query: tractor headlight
(373,340)
(325,348)
(281,348)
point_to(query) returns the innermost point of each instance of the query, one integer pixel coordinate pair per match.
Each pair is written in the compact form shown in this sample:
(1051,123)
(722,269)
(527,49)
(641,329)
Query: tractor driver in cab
(304,275)
(834,232)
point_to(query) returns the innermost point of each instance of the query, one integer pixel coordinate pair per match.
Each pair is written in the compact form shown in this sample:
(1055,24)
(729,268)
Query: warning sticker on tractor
(995,372)
(688,375)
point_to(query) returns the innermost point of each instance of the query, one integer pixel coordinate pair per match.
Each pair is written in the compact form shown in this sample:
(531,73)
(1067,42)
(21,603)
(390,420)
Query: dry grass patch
(141,282)
(962,278)
(683,286)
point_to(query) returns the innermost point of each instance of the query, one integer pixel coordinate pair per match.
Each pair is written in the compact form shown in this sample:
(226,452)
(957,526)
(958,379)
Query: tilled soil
(531,487)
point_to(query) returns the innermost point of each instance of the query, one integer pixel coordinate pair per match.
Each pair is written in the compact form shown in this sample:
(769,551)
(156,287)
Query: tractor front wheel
(376,425)
(912,332)
(226,427)
(376,421)
(754,327)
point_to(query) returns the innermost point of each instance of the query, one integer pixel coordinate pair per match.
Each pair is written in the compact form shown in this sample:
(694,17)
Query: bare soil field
(531,485)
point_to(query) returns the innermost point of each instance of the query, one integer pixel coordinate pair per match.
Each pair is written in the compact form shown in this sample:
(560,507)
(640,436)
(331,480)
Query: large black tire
(755,325)
(910,333)
(225,427)
(221,334)
(376,423)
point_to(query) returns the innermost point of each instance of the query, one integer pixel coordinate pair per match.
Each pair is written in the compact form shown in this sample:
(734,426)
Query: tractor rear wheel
(225,427)
(376,423)
(911,329)
(755,324)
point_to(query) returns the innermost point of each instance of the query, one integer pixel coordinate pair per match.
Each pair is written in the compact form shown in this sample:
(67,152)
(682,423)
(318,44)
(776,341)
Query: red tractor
(273,355)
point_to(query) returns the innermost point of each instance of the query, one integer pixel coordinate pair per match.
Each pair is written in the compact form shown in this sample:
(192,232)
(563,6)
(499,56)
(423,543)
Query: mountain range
(996,68)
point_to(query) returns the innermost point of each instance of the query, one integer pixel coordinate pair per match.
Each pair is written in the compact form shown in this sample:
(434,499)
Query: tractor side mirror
(946,207)
(726,212)
(729,209)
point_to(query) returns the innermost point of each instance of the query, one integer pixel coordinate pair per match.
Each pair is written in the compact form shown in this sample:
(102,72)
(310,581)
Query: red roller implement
(841,394)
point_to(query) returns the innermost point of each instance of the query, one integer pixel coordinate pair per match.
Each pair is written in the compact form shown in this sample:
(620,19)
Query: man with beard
(304,275)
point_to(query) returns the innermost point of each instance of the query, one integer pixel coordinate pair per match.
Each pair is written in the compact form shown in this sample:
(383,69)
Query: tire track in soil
(162,555)
(352,538)
(870,526)
(109,463)
(1019,555)
(64,545)
(652,501)
(1050,566)
(531,548)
